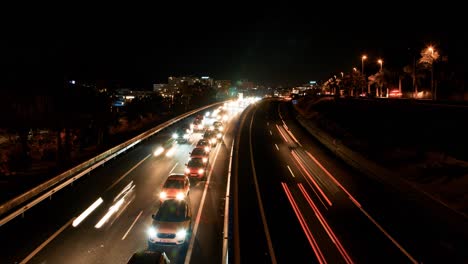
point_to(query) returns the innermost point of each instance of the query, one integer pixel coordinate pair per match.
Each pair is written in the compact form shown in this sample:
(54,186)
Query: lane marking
(291,171)
(130,228)
(130,170)
(259,198)
(177,163)
(30,256)
(277,147)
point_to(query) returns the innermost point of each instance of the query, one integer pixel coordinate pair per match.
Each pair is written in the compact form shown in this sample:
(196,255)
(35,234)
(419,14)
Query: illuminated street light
(354,69)
(362,63)
(431,49)
(381,64)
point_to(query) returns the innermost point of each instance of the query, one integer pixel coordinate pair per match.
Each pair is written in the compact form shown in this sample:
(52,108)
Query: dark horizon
(270,46)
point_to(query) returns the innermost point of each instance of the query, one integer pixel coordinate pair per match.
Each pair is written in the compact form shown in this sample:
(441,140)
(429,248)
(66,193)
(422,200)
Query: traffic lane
(148,179)
(249,239)
(296,232)
(22,235)
(329,202)
(207,246)
(427,230)
(106,244)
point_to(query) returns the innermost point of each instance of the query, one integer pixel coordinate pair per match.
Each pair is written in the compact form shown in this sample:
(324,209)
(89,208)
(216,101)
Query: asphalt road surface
(297,203)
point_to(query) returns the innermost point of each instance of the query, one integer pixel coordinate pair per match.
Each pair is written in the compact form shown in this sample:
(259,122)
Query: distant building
(206,80)
(222,84)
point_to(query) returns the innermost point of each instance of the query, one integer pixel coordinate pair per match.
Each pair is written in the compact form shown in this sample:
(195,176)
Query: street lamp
(381,63)
(362,72)
(362,63)
(431,49)
(354,69)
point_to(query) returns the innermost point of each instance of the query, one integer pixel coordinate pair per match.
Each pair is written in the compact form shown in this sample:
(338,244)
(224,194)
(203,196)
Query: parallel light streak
(291,134)
(333,179)
(311,177)
(325,225)
(277,147)
(284,137)
(363,211)
(87,212)
(308,233)
(114,208)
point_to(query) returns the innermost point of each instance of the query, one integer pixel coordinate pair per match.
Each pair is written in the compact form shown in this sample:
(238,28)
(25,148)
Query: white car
(171,224)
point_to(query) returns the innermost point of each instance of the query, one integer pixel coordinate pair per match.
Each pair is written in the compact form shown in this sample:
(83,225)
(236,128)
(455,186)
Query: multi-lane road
(297,203)
(291,201)
(126,192)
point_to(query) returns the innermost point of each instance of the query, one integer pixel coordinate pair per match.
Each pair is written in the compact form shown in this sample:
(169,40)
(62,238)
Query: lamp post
(362,72)
(381,64)
(380,61)
(431,49)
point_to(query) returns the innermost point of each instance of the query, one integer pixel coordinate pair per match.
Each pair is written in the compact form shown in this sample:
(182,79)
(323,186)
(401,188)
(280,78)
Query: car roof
(178,176)
(146,257)
(199,147)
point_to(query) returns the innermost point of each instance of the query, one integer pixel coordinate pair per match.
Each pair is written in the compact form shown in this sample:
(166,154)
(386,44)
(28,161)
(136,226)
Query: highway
(297,203)
(292,201)
(124,193)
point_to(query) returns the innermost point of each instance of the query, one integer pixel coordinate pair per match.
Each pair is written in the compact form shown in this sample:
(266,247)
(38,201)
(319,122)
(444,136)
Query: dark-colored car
(210,135)
(200,152)
(196,168)
(149,257)
(182,134)
(205,144)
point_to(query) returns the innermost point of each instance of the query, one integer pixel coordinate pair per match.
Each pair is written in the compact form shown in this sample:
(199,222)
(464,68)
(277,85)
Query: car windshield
(198,152)
(195,163)
(174,184)
(171,211)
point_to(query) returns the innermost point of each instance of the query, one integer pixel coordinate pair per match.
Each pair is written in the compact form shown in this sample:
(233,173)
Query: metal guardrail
(225,258)
(81,169)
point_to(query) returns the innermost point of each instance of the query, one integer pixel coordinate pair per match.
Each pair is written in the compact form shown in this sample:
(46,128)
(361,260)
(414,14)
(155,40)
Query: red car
(176,186)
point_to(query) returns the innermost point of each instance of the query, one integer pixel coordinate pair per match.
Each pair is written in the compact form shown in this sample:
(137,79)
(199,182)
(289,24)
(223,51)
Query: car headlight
(201,171)
(204,160)
(174,136)
(221,128)
(186,136)
(219,135)
(187,170)
(181,233)
(207,149)
(180,196)
(163,195)
(213,140)
(207,113)
(152,232)
(211,127)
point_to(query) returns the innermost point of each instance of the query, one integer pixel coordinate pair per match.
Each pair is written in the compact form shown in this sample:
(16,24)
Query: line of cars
(171,224)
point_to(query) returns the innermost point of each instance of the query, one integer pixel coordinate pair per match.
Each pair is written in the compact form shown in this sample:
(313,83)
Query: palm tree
(428,57)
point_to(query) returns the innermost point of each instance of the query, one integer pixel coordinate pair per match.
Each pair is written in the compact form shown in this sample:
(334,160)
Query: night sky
(272,45)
